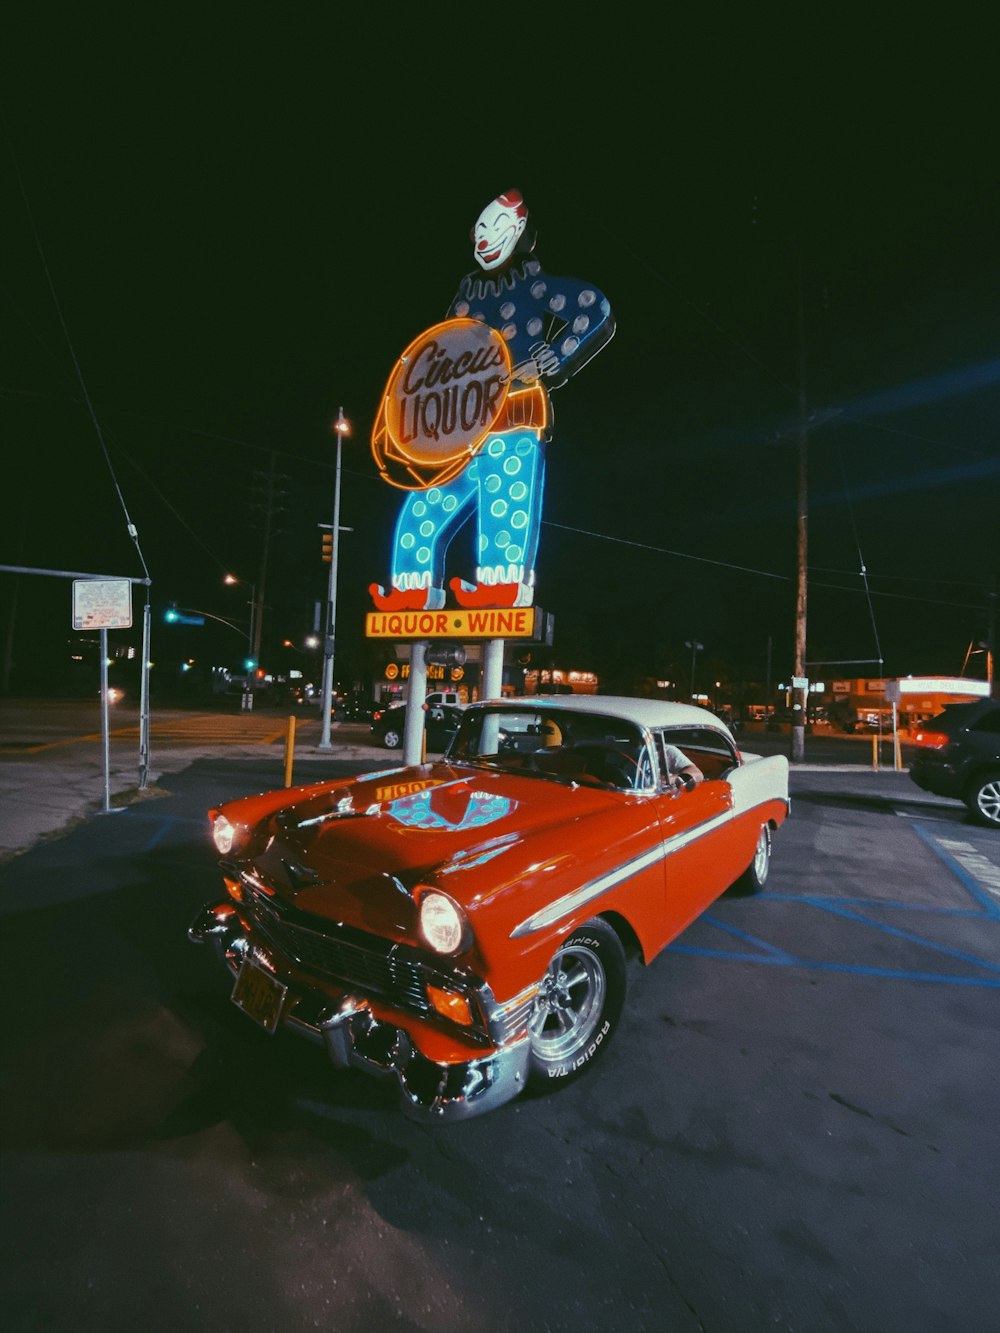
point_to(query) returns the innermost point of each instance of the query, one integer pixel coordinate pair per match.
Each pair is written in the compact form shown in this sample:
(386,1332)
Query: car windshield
(560,746)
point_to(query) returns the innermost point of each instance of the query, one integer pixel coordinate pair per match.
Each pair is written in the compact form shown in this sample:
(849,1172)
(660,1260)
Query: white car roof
(643,712)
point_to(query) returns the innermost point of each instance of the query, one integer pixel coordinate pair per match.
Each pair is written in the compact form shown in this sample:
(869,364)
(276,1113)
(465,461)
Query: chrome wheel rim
(568,1005)
(762,856)
(988,800)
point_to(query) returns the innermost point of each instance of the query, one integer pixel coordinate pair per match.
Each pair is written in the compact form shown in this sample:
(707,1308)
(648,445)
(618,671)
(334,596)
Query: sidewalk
(45,794)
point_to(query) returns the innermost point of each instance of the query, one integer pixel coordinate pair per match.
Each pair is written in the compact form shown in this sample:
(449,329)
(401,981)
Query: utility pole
(800,691)
(991,641)
(270,507)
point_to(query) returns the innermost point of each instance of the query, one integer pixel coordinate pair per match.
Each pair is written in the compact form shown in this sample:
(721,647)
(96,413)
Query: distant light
(249,664)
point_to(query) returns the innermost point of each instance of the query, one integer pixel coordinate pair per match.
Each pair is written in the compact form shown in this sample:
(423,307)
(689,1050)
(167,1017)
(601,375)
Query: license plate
(258,994)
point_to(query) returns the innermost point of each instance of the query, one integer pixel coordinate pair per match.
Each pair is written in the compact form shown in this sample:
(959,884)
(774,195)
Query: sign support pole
(413,726)
(493,668)
(105,732)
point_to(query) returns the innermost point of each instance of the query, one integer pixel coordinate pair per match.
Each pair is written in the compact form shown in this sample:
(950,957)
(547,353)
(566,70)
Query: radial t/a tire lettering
(579,1004)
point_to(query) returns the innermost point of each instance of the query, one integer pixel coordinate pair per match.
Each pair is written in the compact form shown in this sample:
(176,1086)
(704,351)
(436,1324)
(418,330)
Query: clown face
(498,229)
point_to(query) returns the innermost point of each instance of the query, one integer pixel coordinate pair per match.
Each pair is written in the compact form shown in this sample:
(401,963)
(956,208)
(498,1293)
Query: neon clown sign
(465,418)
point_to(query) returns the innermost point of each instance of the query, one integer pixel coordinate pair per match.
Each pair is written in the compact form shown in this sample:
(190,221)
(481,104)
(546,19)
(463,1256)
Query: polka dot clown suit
(552,327)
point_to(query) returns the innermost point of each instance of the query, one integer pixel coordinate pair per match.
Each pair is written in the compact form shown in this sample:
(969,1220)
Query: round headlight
(442,922)
(224,834)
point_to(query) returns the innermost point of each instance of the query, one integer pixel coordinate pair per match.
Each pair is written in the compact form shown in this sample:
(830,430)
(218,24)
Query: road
(794,1129)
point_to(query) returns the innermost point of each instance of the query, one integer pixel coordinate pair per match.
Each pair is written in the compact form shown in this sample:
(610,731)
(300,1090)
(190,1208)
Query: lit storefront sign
(514,623)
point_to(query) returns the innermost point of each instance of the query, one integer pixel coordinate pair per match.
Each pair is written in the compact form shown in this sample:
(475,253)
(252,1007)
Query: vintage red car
(463,926)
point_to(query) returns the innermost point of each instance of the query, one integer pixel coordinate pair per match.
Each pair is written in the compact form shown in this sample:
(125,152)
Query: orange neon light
(445,394)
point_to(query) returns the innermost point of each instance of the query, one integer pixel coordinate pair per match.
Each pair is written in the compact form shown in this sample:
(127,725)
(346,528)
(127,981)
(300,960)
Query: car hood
(355,853)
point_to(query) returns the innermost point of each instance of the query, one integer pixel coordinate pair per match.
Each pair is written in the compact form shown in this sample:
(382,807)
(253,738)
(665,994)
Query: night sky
(218,229)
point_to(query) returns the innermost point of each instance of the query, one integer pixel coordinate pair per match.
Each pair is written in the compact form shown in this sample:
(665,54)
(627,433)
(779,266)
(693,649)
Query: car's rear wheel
(754,877)
(579,1003)
(984,799)
(392,738)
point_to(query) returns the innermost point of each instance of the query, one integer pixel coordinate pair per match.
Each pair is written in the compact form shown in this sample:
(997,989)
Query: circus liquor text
(444,394)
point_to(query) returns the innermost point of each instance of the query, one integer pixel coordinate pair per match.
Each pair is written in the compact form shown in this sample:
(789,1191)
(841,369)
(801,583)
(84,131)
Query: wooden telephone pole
(800,691)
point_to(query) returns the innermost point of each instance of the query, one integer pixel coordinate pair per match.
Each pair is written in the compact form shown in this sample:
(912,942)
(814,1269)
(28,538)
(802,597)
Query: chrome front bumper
(355,1038)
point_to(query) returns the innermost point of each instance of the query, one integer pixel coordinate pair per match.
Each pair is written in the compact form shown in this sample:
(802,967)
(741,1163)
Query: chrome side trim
(572,902)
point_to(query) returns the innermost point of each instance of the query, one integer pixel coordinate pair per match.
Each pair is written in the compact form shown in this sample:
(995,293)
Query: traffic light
(327,548)
(174,617)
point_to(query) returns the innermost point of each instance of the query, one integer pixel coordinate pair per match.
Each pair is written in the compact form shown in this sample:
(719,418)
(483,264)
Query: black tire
(754,877)
(579,1004)
(392,739)
(983,799)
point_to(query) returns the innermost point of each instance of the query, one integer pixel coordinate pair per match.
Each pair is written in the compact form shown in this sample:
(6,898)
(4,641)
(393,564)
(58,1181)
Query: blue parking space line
(889,905)
(165,824)
(854,969)
(909,936)
(132,812)
(974,888)
(757,943)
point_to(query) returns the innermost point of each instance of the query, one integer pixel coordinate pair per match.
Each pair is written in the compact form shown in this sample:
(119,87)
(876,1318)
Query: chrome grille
(371,964)
(352,958)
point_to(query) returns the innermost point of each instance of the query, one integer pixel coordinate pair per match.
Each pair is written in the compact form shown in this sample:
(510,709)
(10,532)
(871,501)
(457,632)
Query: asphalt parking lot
(795,1127)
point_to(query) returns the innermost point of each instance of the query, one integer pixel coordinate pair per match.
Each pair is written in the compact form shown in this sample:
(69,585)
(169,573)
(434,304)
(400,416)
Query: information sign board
(102,604)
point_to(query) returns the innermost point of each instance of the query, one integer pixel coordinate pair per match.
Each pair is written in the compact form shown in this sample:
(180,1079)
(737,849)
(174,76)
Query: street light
(340,428)
(696,648)
(246,702)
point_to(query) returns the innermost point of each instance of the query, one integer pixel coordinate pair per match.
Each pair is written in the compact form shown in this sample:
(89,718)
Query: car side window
(989,722)
(709,749)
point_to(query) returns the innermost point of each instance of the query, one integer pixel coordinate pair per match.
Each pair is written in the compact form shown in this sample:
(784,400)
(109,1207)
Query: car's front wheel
(984,799)
(579,1003)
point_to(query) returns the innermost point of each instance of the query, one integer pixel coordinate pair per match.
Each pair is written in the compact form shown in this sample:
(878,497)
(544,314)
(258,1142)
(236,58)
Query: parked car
(353,710)
(958,754)
(462,926)
(440,725)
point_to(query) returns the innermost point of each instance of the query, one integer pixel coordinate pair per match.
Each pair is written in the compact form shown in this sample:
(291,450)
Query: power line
(748,569)
(130,526)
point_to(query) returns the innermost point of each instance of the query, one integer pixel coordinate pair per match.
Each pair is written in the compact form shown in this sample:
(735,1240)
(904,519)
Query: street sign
(800,682)
(102,604)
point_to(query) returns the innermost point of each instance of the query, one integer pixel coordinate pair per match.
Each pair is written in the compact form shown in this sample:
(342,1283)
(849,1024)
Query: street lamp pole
(341,427)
